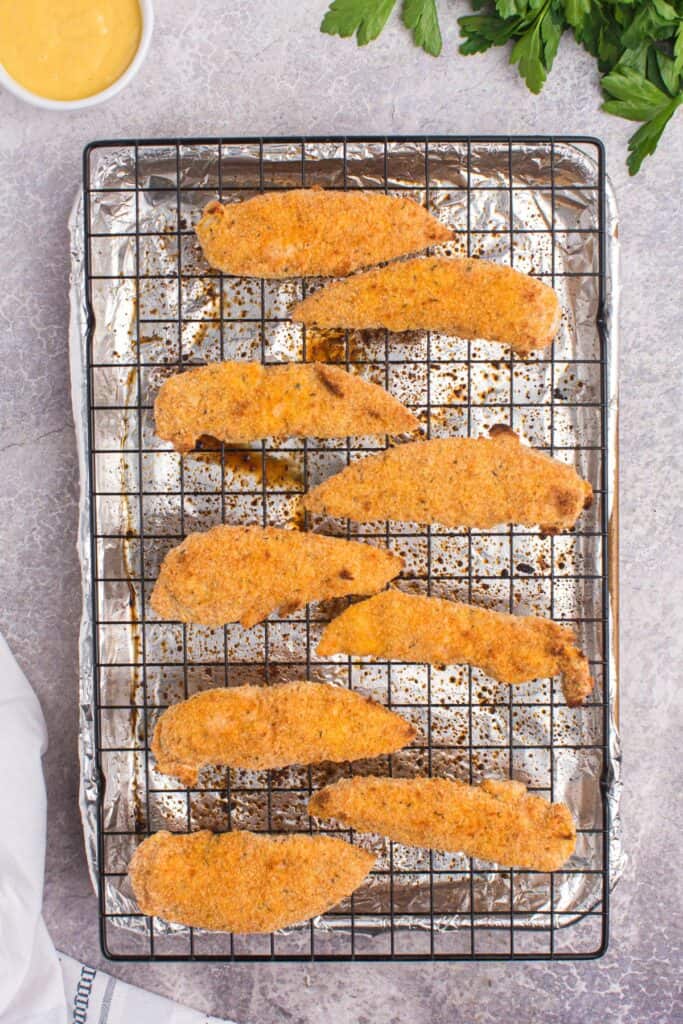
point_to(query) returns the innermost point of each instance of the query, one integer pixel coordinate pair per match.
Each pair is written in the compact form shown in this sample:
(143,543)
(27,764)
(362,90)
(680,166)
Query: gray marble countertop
(235,67)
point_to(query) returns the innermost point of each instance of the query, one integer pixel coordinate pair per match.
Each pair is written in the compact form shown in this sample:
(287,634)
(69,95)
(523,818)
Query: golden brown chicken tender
(457,481)
(412,628)
(311,232)
(470,298)
(259,727)
(238,402)
(243,881)
(243,573)
(496,821)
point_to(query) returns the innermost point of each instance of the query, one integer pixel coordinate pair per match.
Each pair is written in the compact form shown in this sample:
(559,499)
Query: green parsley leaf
(668,73)
(527,53)
(678,49)
(535,50)
(638,45)
(482,31)
(576,11)
(514,8)
(587,30)
(666,11)
(421,16)
(654,20)
(552,27)
(366,18)
(633,96)
(644,142)
(636,59)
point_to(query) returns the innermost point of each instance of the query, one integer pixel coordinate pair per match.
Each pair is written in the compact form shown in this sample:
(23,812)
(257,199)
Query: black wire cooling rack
(154,308)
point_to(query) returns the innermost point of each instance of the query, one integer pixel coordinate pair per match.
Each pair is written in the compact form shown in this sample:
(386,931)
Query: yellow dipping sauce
(68,49)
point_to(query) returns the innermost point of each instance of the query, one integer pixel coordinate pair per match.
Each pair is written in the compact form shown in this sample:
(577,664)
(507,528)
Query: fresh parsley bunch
(638,45)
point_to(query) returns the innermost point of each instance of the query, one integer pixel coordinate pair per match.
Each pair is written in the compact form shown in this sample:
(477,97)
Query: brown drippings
(199,336)
(210,314)
(328,345)
(458,394)
(281,471)
(152,338)
(135,616)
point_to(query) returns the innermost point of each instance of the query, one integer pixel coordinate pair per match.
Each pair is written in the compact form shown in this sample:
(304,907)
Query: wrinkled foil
(133,796)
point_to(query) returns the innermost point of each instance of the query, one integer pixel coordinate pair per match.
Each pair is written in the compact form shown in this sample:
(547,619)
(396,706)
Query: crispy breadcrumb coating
(413,628)
(496,821)
(457,481)
(239,402)
(312,232)
(244,573)
(470,298)
(258,727)
(243,881)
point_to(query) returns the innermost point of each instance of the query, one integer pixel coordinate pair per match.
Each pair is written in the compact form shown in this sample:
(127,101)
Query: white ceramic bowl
(9,83)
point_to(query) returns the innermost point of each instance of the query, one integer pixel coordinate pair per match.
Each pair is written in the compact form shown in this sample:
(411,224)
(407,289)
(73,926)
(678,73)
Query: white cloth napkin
(38,985)
(31,987)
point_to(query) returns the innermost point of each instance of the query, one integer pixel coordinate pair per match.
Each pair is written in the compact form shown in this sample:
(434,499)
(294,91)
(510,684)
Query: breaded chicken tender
(238,402)
(496,821)
(311,232)
(258,727)
(243,573)
(470,298)
(457,481)
(413,628)
(243,881)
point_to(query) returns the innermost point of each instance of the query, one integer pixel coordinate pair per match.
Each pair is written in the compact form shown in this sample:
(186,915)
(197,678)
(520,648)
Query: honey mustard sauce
(68,49)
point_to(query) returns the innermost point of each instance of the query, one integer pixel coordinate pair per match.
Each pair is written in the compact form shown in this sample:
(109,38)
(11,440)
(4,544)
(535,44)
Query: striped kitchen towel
(93,997)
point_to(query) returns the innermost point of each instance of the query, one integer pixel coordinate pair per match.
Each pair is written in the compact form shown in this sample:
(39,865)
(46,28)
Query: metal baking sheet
(144,305)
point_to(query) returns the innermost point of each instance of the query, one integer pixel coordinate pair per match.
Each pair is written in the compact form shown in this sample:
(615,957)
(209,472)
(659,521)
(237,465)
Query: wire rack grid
(144,499)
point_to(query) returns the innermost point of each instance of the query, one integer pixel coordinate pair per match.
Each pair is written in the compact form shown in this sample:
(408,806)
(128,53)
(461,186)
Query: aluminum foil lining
(141,219)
